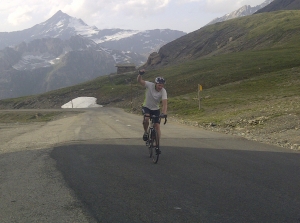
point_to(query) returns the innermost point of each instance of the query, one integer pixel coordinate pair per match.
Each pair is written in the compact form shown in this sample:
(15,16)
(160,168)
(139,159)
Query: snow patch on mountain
(82,29)
(34,61)
(117,36)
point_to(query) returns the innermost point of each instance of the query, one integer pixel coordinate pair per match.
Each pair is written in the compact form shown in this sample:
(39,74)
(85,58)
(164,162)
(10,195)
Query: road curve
(94,167)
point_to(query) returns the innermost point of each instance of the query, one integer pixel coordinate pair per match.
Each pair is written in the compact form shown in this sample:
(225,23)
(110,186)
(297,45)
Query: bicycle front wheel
(155,146)
(150,143)
(150,149)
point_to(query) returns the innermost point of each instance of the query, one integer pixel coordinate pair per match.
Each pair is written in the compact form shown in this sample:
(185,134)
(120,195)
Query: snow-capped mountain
(64,51)
(64,27)
(243,11)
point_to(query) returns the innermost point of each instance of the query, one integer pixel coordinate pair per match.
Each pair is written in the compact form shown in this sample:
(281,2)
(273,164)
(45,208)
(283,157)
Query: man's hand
(162,115)
(141,72)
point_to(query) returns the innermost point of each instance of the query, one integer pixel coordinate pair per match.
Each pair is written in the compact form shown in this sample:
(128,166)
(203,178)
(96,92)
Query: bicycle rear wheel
(155,146)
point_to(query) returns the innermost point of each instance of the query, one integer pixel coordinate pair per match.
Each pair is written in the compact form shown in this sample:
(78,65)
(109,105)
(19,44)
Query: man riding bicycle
(155,93)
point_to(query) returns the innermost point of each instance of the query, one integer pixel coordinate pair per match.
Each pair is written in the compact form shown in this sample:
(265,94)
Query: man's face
(158,87)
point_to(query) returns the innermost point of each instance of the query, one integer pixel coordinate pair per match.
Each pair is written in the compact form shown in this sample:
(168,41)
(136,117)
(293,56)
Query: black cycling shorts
(146,110)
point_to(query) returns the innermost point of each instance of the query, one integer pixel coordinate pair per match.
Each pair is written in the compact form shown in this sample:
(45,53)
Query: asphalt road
(94,167)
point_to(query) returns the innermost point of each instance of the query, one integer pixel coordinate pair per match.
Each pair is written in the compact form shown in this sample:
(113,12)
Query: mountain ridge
(281,5)
(243,11)
(227,37)
(63,26)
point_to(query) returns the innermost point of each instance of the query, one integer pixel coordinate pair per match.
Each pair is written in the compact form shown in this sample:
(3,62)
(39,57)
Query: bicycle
(153,139)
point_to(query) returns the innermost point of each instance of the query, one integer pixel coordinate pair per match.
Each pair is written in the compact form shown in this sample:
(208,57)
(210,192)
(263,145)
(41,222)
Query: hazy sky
(184,15)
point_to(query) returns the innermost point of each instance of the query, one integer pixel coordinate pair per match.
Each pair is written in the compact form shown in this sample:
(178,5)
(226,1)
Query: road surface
(94,167)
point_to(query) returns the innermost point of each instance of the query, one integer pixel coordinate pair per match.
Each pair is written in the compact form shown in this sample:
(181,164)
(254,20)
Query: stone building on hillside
(124,68)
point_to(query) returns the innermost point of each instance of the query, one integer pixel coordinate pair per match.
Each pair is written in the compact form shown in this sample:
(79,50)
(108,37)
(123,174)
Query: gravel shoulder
(35,135)
(283,131)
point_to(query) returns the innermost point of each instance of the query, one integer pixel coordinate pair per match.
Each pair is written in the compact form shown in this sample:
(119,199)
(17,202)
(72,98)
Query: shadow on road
(119,183)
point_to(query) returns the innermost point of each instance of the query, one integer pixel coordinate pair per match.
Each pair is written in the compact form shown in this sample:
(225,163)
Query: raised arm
(140,79)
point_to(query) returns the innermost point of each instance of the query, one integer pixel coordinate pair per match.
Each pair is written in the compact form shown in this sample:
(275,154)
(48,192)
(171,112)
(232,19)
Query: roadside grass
(270,95)
(28,116)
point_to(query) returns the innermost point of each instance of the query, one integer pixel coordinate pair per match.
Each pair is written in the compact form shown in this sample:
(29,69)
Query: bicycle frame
(153,138)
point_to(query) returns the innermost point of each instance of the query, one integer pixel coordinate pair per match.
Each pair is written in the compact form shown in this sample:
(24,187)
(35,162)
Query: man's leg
(146,122)
(146,112)
(157,122)
(145,126)
(157,127)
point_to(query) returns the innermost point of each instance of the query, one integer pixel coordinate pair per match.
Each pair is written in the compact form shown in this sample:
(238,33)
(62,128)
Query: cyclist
(155,93)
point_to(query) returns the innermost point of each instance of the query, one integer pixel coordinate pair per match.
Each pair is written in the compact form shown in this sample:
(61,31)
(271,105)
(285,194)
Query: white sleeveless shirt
(153,97)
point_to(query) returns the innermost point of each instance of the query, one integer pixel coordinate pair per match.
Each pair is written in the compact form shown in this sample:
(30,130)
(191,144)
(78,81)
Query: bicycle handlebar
(154,116)
(165,120)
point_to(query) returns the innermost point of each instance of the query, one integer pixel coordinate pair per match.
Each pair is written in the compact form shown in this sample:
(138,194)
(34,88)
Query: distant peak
(60,14)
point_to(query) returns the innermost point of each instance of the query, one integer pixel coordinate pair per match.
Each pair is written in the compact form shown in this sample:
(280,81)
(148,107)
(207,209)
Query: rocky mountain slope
(246,33)
(47,64)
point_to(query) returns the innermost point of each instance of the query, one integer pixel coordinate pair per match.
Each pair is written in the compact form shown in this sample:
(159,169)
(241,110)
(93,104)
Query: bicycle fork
(150,132)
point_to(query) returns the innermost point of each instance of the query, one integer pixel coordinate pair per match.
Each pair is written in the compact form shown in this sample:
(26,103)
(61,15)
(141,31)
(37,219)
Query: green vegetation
(251,82)
(236,85)
(272,94)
